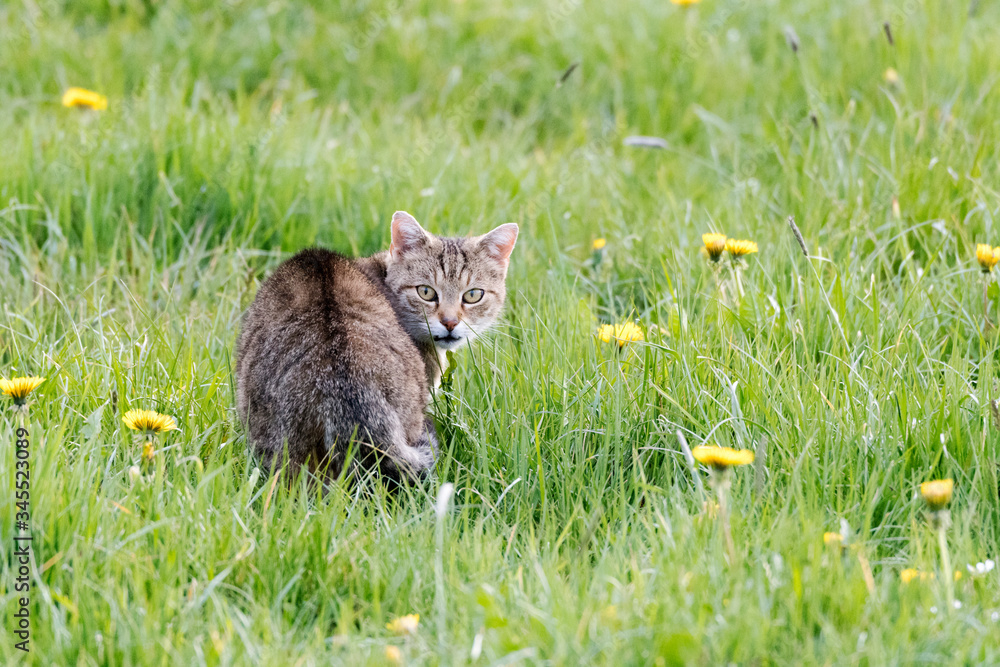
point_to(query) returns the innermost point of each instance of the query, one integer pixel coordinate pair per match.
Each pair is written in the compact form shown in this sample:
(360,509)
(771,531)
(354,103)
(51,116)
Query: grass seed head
(798,235)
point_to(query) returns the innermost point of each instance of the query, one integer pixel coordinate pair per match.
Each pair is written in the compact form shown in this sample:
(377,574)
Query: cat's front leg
(435,361)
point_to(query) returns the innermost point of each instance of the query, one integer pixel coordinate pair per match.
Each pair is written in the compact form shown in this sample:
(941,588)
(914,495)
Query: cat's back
(321,286)
(321,325)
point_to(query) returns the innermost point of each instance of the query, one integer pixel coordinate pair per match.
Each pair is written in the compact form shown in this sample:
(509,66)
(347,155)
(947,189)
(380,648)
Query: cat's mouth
(451,340)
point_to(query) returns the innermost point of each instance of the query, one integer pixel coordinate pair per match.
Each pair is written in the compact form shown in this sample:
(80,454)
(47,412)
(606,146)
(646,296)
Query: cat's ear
(499,243)
(407,234)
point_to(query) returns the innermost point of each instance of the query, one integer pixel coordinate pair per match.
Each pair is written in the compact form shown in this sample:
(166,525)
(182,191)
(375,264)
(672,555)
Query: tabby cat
(335,351)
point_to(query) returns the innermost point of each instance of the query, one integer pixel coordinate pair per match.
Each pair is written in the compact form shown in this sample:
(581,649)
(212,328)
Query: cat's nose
(449,323)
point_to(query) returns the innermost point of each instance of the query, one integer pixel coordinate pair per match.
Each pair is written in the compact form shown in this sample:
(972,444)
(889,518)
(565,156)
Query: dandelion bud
(937,493)
(715,245)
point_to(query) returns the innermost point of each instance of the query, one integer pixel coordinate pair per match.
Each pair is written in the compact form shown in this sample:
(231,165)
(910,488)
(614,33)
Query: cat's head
(447,290)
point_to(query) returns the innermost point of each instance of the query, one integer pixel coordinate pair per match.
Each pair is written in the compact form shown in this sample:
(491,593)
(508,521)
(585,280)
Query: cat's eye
(474,295)
(427,293)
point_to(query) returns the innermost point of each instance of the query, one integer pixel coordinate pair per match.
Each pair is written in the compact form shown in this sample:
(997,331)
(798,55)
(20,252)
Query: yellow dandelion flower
(149,421)
(909,574)
(958,575)
(740,248)
(394,655)
(833,539)
(937,493)
(987,256)
(685,3)
(20,388)
(920,575)
(404,625)
(626,332)
(891,77)
(599,244)
(721,458)
(715,245)
(148,452)
(81,97)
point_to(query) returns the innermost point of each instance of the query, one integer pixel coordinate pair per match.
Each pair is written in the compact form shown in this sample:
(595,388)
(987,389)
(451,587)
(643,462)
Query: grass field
(131,240)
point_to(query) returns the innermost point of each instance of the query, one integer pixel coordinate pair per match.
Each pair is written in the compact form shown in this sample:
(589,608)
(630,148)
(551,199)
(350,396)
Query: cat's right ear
(407,234)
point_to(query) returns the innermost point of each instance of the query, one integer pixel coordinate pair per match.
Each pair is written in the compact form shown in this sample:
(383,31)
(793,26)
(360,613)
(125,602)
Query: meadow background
(237,132)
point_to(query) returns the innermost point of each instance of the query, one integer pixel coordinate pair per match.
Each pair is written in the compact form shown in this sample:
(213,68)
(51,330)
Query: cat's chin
(446,343)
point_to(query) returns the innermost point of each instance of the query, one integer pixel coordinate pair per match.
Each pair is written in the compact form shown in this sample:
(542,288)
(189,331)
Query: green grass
(237,132)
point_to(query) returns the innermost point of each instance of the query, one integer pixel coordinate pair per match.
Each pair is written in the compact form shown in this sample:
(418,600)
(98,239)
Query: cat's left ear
(499,243)
(407,234)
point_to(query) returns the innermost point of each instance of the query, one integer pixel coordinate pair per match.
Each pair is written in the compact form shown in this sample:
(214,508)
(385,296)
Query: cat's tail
(414,461)
(372,435)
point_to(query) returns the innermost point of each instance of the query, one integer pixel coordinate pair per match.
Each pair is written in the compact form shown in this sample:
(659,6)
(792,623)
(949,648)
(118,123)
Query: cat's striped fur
(336,351)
